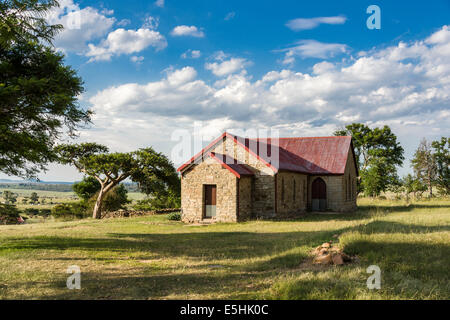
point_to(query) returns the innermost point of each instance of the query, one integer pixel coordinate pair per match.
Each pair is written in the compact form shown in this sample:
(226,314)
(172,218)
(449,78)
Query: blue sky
(154,68)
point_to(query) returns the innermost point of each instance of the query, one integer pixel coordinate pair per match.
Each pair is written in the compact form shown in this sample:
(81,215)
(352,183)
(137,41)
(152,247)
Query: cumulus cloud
(406,86)
(159,3)
(311,23)
(312,49)
(226,67)
(80,25)
(193,54)
(191,31)
(122,41)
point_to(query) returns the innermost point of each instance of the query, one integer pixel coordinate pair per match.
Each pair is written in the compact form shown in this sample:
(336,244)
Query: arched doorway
(319,195)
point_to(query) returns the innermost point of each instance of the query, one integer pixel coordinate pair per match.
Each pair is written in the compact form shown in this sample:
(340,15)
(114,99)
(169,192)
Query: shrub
(166,200)
(75,210)
(31,211)
(8,214)
(175,216)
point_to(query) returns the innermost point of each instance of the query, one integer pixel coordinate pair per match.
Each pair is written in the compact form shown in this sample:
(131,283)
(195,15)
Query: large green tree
(378,154)
(152,171)
(441,155)
(424,165)
(38,93)
(86,188)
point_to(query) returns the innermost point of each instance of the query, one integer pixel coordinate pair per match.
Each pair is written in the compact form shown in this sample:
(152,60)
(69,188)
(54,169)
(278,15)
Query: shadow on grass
(218,245)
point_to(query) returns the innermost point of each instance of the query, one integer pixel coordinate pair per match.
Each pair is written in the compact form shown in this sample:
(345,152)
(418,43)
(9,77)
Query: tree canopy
(441,154)
(378,154)
(152,171)
(38,93)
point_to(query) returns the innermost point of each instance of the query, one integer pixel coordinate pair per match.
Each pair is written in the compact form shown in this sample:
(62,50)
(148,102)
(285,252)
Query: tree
(86,188)
(442,158)
(414,185)
(24,20)
(424,165)
(38,93)
(378,153)
(34,198)
(151,170)
(114,200)
(9,196)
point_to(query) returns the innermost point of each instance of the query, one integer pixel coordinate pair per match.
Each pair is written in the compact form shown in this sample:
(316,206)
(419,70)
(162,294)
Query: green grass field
(55,197)
(153,258)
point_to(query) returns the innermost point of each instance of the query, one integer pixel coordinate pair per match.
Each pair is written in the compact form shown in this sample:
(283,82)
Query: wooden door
(319,195)
(210,200)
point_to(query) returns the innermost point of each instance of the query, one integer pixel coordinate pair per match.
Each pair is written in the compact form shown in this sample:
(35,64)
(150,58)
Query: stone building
(235,179)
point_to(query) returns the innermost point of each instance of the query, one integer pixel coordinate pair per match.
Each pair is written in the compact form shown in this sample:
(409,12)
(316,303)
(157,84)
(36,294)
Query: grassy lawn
(153,258)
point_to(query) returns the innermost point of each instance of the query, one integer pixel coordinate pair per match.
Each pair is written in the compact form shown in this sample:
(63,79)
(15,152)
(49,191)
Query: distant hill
(61,186)
(34,181)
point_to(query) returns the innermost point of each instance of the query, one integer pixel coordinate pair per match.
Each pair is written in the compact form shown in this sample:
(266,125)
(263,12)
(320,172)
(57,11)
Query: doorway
(210,192)
(319,195)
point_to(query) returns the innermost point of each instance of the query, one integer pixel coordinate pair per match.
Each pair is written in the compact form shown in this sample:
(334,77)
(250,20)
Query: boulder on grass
(323,259)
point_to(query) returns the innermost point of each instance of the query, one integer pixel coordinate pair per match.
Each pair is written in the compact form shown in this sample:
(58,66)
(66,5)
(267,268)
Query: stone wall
(291,192)
(337,198)
(192,192)
(263,191)
(245,198)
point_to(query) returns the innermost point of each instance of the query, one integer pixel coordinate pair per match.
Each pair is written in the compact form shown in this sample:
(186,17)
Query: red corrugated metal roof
(311,155)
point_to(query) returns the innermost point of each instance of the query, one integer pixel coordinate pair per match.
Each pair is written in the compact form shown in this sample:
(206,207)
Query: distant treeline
(130,187)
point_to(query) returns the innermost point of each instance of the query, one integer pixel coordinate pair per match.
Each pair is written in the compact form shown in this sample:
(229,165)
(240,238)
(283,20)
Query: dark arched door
(319,195)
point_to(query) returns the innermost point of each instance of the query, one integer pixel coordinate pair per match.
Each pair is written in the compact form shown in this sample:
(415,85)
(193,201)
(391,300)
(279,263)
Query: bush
(9,214)
(159,201)
(31,211)
(76,210)
(175,216)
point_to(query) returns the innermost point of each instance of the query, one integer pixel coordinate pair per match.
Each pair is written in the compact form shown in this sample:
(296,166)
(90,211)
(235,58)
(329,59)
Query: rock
(337,259)
(346,257)
(324,259)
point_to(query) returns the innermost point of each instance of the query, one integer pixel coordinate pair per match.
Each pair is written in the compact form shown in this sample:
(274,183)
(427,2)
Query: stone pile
(136,213)
(329,254)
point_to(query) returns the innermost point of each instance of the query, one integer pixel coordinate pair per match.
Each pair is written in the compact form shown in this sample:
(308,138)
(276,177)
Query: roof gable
(309,155)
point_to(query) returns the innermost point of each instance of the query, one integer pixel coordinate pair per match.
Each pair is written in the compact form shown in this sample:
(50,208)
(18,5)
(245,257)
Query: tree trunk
(97,214)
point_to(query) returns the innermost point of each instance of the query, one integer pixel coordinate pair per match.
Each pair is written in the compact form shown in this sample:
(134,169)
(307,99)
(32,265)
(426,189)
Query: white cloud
(191,31)
(159,3)
(80,25)
(226,67)
(313,49)
(137,59)
(122,41)
(124,22)
(151,23)
(230,15)
(193,54)
(311,23)
(406,86)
